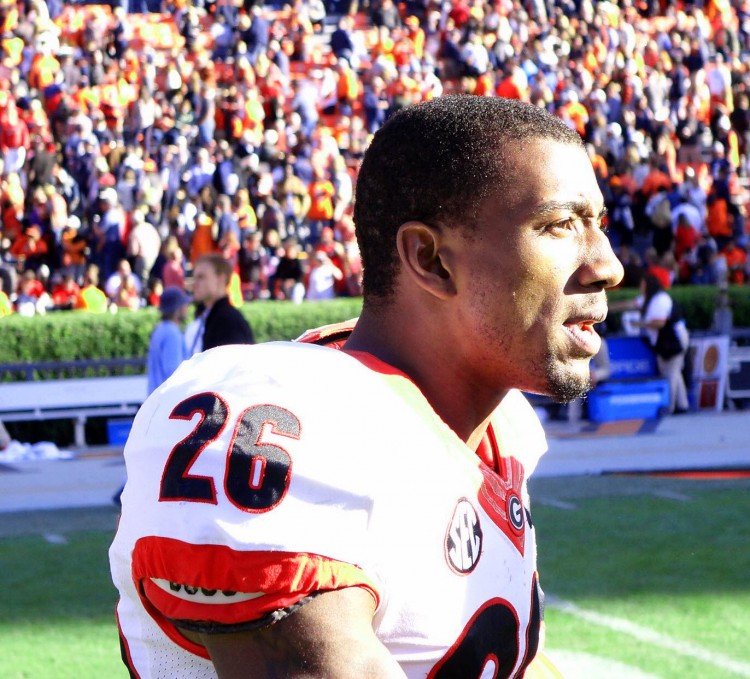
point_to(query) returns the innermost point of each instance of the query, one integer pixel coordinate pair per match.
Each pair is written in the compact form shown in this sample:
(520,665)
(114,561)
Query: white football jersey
(259,475)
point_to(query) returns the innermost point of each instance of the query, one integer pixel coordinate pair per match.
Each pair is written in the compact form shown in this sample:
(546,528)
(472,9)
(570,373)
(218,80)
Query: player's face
(208,286)
(534,277)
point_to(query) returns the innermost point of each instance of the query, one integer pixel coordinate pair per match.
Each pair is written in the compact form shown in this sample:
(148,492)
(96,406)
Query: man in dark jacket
(219,322)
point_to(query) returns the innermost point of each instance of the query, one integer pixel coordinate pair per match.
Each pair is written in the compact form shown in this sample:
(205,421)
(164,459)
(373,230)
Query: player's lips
(586,340)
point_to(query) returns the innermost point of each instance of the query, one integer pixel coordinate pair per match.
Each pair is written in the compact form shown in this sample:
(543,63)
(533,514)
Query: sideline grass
(667,554)
(671,555)
(57,613)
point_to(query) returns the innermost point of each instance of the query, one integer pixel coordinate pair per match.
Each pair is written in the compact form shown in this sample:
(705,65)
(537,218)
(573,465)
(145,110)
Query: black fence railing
(55,370)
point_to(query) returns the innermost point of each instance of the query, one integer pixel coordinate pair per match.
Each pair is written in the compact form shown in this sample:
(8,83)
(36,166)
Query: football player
(355,504)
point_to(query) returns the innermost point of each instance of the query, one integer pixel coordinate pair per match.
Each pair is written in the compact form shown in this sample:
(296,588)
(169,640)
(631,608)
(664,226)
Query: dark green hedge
(70,335)
(65,336)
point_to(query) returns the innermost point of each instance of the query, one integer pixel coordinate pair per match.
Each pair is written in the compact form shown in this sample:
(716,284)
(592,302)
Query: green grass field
(670,556)
(657,571)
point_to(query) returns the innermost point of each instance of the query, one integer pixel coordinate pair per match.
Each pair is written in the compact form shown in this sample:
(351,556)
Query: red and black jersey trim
(278,581)
(334,335)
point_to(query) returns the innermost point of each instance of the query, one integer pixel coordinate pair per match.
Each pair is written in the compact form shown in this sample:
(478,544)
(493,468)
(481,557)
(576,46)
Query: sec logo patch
(463,540)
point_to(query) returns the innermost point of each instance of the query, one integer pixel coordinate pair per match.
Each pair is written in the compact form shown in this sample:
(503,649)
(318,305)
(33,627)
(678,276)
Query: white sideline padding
(77,399)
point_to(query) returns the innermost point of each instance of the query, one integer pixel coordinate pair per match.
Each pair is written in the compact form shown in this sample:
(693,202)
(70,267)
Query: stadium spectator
(66,292)
(92,298)
(322,193)
(173,269)
(32,297)
(322,278)
(127,296)
(287,279)
(656,309)
(734,262)
(218,322)
(144,244)
(166,349)
(122,277)
(15,139)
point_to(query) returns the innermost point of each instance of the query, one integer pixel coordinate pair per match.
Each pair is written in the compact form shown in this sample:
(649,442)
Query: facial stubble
(563,384)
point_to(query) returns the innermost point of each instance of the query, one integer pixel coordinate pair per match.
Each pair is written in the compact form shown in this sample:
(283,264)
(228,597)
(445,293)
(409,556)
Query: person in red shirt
(14,139)
(30,248)
(736,262)
(65,294)
(661,268)
(685,237)
(685,241)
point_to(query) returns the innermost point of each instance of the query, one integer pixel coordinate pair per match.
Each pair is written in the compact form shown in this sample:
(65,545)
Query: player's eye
(570,223)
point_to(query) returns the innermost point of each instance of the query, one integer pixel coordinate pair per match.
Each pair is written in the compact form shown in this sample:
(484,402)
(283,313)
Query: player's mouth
(586,341)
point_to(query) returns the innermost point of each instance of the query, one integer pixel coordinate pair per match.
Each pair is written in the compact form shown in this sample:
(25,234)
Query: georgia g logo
(463,541)
(500,496)
(515,512)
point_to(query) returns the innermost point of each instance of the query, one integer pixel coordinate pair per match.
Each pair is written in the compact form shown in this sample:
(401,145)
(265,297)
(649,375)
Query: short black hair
(437,162)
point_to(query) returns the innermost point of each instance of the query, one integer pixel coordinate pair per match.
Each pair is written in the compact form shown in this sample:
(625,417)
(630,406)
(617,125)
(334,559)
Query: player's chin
(568,380)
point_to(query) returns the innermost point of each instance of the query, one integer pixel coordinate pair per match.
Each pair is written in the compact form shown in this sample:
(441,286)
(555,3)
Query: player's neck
(429,363)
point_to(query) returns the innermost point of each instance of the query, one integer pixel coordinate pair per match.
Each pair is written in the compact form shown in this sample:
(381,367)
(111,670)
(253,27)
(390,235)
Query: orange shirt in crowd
(347,87)
(203,239)
(43,71)
(321,192)
(578,114)
(600,165)
(736,259)
(655,181)
(717,219)
(484,86)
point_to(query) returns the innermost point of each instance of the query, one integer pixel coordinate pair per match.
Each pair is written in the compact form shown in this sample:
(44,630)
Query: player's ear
(423,258)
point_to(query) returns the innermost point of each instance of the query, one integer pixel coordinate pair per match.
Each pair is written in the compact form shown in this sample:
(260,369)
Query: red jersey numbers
(257,472)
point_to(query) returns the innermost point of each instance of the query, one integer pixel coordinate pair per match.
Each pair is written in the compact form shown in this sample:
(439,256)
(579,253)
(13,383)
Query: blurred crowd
(134,138)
